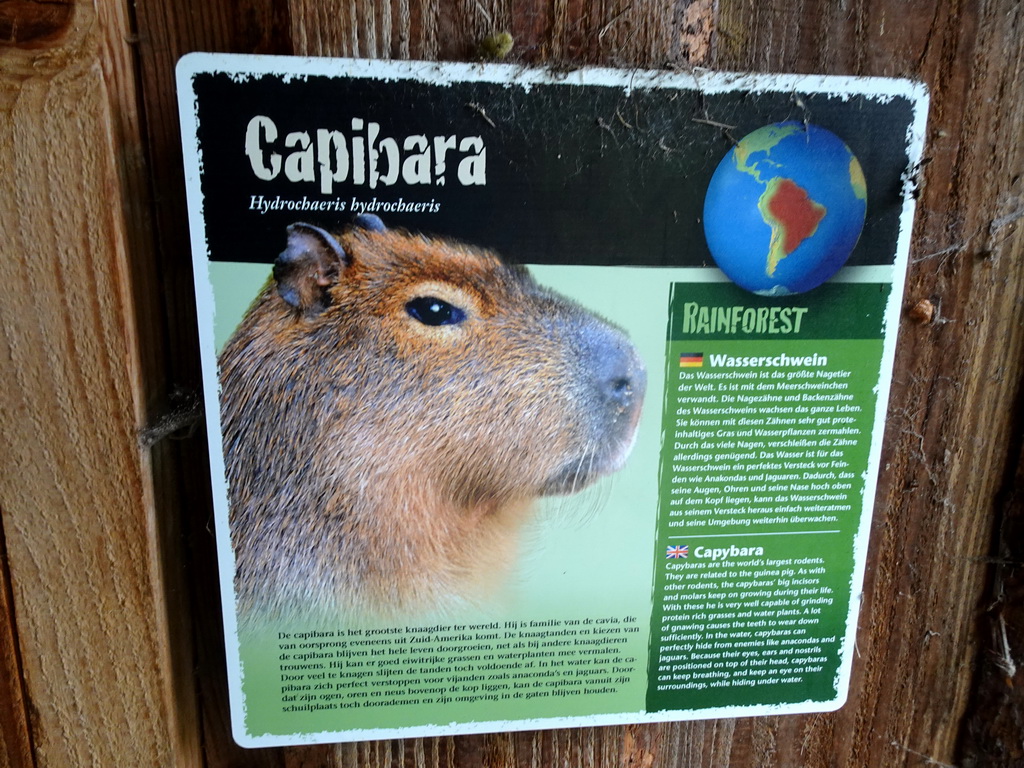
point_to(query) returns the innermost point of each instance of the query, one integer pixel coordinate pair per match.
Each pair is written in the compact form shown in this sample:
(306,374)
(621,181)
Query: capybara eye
(433,311)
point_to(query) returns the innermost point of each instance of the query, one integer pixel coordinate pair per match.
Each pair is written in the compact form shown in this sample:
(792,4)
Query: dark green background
(845,325)
(835,311)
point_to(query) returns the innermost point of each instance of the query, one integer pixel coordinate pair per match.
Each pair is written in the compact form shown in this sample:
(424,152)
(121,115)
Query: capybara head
(391,407)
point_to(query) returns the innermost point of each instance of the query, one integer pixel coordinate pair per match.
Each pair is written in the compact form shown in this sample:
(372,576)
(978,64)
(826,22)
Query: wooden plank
(995,719)
(950,420)
(165,287)
(76,493)
(15,732)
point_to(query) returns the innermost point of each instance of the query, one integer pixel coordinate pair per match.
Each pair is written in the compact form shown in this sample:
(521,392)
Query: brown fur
(378,465)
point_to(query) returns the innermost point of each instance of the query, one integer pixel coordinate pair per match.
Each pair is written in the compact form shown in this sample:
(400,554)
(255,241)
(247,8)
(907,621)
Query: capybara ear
(310,265)
(369,222)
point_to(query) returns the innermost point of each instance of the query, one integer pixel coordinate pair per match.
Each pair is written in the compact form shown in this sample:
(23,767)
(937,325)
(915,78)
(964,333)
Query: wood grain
(99,336)
(995,719)
(15,730)
(31,24)
(86,572)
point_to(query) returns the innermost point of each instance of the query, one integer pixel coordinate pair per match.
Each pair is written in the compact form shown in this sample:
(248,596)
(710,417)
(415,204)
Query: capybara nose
(621,391)
(618,371)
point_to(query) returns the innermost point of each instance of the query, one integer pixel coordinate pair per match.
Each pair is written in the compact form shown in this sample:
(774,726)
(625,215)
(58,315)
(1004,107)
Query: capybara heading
(392,406)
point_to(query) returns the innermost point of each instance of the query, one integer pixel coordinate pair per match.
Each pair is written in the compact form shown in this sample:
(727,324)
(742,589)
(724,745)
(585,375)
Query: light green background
(585,556)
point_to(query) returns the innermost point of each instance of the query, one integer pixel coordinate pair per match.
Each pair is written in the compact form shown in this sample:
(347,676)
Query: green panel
(726,311)
(764,460)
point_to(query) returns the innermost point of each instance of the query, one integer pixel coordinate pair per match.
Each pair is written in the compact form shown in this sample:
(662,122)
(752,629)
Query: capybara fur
(392,406)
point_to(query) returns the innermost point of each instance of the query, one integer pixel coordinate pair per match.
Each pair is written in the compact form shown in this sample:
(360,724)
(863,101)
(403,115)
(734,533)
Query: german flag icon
(691,360)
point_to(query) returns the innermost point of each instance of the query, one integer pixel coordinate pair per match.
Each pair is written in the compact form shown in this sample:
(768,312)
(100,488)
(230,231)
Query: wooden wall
(109,635)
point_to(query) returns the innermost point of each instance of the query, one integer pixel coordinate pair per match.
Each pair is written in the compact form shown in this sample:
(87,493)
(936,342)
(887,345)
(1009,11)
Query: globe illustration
(785,208)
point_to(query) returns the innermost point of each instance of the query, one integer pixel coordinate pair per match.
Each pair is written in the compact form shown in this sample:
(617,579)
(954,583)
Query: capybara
(392,406)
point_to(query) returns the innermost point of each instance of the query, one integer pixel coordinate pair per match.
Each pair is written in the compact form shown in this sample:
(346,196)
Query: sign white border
(697,80)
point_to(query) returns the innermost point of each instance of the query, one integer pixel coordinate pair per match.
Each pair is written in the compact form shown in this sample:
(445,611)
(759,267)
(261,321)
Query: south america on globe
(785,208)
